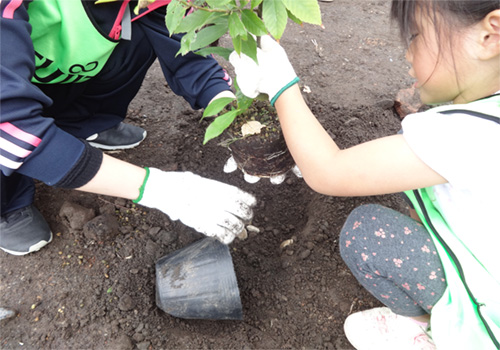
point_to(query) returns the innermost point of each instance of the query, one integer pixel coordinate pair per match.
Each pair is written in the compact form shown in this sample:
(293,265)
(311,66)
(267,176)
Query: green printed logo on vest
(68,48)
(47,72)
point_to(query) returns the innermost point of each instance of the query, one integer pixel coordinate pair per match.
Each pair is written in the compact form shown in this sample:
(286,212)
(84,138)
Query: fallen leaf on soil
(252,127)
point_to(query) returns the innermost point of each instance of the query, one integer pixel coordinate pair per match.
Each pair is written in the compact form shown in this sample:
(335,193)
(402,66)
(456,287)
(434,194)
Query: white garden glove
(211,207)
(273,75)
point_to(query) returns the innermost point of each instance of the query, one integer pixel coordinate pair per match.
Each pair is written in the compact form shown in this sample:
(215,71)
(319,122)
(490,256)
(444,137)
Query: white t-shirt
(465,150)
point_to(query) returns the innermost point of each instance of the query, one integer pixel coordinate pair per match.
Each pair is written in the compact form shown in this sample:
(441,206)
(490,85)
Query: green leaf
(186,41)
(208,35)
(255,3)
(305,10)
(194,21)
(243,101)
(237,44)
(216,106)
(220,124)
(218,3)
(253,23)
(220,19)
(236,27)
(275,16)
(293,18)
(249,48)
(215,50)
(110,290)
(244,3)
(175,14)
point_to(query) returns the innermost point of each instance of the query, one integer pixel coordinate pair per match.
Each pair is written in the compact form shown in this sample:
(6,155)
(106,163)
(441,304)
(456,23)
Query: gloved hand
(210,207)
(273,75)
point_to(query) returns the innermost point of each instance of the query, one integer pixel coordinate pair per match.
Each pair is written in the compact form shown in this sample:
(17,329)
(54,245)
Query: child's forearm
(310,145)
(381,166)
(116,178)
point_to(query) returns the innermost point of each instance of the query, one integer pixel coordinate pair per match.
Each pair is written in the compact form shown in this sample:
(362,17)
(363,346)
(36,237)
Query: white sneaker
(380,328)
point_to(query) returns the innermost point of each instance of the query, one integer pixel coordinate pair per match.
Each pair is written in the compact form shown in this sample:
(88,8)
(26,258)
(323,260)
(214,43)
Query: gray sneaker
(24,231)
(121,136)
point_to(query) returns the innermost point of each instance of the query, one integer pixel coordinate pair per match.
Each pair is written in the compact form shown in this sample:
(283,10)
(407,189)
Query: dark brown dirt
(93,287)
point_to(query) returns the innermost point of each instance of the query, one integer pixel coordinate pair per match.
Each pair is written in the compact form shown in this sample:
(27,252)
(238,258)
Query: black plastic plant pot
(199,282)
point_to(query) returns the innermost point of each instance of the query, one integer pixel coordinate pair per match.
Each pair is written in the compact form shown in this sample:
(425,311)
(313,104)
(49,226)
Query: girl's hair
(456,14)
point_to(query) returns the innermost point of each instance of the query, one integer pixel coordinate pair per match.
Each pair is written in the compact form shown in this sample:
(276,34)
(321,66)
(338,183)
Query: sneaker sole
(117,147)
(34,248)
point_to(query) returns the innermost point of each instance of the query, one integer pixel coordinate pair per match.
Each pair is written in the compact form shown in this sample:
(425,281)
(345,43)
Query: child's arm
(210,207)
(116,178)
(385,165)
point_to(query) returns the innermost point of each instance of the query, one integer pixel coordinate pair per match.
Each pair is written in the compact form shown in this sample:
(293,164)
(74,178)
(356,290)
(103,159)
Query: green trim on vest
(459,320)
(68,48)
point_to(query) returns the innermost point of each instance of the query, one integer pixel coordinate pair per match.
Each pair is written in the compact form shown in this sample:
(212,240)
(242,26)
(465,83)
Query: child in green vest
(69,70)
(440,268)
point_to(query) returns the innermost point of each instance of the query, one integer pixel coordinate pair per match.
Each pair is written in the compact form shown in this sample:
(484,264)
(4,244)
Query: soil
(93,287)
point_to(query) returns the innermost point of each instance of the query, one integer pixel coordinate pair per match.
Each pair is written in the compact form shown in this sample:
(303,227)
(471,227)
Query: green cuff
(293,82)
(141,189)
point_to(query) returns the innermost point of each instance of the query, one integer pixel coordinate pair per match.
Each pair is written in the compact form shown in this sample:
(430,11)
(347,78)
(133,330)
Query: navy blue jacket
(32,144)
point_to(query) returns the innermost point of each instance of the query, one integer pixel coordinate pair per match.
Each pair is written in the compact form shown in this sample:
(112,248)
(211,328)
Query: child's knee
(358,216)
(353,227)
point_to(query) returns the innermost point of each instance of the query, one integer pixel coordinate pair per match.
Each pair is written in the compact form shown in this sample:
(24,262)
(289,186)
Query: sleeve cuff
(83,170)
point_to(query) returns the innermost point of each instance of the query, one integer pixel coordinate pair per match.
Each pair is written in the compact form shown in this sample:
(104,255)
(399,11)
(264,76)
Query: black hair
(457,13)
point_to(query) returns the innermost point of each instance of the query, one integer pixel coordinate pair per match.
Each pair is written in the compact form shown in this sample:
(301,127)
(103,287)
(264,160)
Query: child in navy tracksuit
(69,69)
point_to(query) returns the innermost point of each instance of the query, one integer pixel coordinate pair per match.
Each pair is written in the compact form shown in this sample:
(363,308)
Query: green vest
(461,320)
(68,47)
